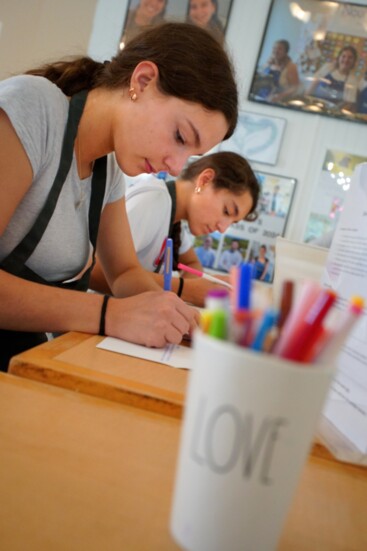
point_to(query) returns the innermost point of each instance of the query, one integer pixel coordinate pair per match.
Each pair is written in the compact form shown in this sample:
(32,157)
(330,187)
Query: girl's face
(215,209)
(159,133)
(201,11)
(151,8)
(279,52)
(346,61)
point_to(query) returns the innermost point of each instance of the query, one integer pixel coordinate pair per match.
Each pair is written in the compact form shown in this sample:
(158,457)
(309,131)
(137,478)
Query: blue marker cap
(244,286)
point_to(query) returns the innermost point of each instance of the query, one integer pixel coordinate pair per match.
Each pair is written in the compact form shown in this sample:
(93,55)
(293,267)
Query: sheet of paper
(174,355)
(346,273)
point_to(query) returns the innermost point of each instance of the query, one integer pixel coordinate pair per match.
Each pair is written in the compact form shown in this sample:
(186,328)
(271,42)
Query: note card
(173,355)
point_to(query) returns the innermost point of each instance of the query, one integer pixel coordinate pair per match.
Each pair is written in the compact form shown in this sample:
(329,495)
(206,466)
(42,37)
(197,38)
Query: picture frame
(192,11)
(257,137)
(313,58)
(253,238)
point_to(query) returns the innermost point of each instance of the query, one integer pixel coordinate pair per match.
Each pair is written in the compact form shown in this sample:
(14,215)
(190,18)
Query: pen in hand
(167,274)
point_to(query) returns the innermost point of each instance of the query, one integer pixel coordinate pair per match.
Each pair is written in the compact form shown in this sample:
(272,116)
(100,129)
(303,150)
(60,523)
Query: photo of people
(232,255)
(262,257)
(212,15)
(205,251)
(316,60)
(204,13)
(142,14)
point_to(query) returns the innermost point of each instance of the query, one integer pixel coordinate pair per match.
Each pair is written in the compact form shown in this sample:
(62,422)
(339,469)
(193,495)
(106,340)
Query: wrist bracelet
(103,315)
(180,287)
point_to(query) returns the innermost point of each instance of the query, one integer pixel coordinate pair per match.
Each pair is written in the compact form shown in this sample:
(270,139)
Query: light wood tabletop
(72,361)
(79,472)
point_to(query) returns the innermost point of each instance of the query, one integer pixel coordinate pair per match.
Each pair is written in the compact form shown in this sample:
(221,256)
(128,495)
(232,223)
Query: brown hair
(192,66)
(232,172)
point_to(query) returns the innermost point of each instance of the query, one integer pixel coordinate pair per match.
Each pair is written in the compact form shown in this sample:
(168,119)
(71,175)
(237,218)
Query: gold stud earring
(197,189)
(133,95)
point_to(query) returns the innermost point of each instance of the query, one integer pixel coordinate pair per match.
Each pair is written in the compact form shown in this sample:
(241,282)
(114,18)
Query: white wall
(38,30)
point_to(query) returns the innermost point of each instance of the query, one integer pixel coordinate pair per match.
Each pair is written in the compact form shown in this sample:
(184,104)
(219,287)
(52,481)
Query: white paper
(174,355)
(346,273)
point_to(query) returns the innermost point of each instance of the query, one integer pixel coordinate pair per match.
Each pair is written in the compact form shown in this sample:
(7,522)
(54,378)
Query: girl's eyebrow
(196,134)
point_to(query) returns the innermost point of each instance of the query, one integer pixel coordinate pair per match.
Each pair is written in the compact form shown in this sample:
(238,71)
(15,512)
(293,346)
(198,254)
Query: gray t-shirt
(38,111)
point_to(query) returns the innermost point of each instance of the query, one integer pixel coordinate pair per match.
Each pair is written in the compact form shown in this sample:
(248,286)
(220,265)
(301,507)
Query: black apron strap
(171,186)
(15,261)
(14,342)
(95,208)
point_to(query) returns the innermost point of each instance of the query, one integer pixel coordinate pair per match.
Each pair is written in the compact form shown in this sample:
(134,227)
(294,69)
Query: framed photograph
(257,137)
(313,58)
(252,241)
(212,15)
(329,196)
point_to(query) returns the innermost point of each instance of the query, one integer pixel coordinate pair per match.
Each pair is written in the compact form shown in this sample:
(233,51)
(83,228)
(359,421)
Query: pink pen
(336,337)
(310,327)
(308,293)
(204,275)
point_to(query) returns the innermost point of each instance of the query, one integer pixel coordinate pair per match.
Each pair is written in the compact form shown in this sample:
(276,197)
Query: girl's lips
(148,167)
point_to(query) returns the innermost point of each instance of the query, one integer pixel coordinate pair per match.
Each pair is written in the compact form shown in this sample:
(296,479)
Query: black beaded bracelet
(180,287)
(103,316)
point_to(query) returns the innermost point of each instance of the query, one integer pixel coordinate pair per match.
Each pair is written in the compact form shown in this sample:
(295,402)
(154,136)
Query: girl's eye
(179,138)
(226,211)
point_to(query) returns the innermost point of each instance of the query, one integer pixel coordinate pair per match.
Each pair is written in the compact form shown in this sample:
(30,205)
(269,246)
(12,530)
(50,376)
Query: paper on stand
(174,355)
(345,413)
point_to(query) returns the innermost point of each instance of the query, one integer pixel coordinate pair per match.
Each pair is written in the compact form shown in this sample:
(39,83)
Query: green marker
(218,327)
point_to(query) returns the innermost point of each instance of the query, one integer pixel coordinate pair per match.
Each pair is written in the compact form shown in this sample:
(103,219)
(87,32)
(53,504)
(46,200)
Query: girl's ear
(145,73)
(205,177)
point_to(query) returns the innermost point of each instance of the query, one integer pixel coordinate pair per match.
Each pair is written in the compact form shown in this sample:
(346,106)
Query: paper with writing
(346,273)
(174,355)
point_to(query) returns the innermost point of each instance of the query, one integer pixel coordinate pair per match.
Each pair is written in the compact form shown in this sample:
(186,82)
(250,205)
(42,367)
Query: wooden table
(79,472)
(72,361)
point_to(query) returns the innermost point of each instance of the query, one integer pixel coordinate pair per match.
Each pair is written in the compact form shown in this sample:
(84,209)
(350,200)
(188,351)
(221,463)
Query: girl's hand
(153,319)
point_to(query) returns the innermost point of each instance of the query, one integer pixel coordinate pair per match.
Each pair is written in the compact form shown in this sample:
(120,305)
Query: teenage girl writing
(67,131)
(211,193)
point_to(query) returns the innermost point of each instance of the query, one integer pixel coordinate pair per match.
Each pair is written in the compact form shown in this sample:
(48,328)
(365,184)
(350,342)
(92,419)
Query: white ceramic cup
(248,426)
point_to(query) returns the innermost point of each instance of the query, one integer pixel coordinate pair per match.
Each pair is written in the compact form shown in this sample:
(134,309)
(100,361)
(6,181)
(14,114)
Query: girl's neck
(94,138)
(184,190)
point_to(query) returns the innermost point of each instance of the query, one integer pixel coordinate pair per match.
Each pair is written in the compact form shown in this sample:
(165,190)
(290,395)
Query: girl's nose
(176,162)
(223,225)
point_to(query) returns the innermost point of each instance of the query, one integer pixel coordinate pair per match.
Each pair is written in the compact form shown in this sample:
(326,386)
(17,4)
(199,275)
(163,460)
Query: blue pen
(267,323)
(167,274)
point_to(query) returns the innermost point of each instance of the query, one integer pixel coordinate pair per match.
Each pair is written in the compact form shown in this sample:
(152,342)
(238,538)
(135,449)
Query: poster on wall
(313,58)
(329,196)
(256,137)
(141,14)
(251,241)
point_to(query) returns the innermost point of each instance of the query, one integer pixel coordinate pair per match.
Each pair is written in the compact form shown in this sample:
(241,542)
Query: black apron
(171,186)
(14,342)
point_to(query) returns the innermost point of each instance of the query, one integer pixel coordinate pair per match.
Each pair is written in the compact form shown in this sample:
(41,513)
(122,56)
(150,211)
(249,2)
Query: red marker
(310,328)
